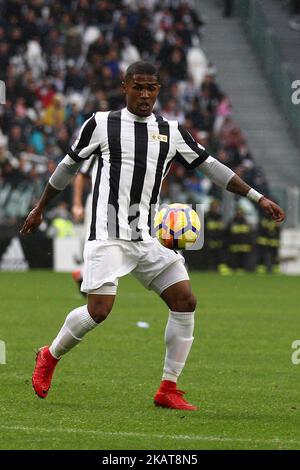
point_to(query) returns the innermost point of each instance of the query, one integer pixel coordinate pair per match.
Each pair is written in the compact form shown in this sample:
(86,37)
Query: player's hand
(78,212)
(271,209)
(33,220)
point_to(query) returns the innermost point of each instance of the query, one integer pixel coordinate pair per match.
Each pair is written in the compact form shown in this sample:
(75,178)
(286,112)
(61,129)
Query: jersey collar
(136,118)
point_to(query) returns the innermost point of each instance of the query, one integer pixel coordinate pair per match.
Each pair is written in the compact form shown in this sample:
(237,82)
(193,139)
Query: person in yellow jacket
(54,114)
(64,228)
(240,242)
(61,225)
(267,242)
(214,238)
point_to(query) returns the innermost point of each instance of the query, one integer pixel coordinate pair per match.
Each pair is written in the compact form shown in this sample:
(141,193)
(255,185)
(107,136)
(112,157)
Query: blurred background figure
(267,241)
(61,223)
(214,238)
(240,242)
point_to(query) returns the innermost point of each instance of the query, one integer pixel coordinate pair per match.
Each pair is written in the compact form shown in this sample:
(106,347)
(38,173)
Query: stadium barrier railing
(277,71)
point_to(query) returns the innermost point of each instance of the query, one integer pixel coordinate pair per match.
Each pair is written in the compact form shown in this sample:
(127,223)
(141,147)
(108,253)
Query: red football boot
(169,396)
(43,371)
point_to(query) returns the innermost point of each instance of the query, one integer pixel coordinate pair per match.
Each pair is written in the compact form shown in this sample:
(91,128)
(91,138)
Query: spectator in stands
(4,57)
(17,140)
(54,114)
(223,110)
(143,37)
(193,187)
(37,138)
(45,92)
(6,158)
(197,116)
(171,111)
(209,84)
(176,64)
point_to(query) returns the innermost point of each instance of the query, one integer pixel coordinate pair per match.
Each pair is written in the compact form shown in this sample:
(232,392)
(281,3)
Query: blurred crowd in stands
(63,60)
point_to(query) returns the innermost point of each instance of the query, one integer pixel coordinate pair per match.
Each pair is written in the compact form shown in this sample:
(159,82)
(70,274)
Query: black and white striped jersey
(133,154)
(86,168)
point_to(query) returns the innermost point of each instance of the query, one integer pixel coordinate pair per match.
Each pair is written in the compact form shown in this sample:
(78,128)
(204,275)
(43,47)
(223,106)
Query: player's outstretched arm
(224,177)
(35,217)
(271,209)
(61,177)
(64,172)
(221,175)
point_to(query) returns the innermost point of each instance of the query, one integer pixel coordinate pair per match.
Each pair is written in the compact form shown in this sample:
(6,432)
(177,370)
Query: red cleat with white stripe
(43,371)
(168,396)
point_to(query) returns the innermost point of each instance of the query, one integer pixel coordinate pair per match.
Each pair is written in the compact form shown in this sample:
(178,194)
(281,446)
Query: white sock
(76,325)
(178,339)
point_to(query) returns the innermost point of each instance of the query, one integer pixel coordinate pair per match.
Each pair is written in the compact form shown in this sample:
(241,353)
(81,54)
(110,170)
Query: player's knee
(190,303)
(99,311)
(185,303)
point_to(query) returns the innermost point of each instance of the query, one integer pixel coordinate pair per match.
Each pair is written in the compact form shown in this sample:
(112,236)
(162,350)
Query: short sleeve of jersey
(87,142)
(189,152)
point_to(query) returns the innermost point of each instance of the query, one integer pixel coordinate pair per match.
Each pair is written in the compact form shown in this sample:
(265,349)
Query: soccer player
(134,149)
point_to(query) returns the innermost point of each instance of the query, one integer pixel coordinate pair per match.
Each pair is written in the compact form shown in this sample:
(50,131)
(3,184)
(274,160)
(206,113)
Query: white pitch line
(275,440)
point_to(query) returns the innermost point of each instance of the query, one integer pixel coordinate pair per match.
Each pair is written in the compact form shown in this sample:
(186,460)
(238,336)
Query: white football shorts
(155,266)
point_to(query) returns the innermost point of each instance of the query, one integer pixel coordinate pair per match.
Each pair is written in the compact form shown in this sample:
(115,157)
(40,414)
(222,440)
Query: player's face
(141,92)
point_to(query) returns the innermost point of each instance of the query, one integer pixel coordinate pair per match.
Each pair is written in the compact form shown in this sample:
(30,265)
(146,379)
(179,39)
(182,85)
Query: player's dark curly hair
(143,68)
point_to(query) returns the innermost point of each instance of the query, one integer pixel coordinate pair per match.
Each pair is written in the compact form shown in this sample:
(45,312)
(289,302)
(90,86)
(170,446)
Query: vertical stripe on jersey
(86,135)
(95,198)
(140,166)
(194,146)
(114,143)
(164,129)
(126,175)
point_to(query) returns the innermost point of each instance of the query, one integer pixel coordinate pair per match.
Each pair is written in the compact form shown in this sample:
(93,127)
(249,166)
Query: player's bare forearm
(49,193)
(237,186)
(77,207)
(35,217)
(78,186)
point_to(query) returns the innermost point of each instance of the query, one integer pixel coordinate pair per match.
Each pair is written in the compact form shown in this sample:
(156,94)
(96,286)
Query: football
(177,226)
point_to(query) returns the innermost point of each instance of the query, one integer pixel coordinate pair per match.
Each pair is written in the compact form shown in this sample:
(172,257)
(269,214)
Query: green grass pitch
(239,371)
